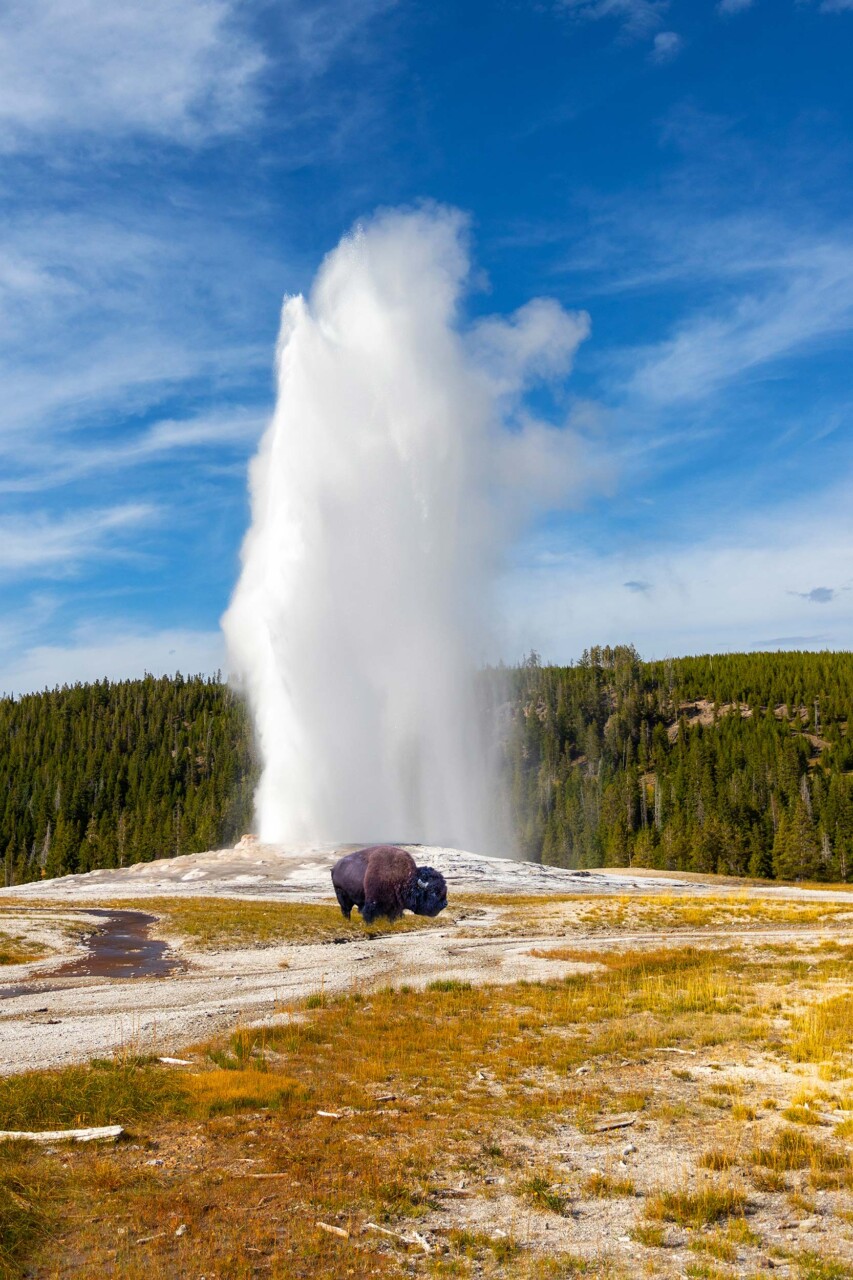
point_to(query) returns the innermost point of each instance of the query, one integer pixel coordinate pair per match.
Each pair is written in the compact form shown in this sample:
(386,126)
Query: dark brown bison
(384,881)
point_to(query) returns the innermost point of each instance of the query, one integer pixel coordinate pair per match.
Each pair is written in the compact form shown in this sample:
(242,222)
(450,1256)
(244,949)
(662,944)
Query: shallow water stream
(119,948)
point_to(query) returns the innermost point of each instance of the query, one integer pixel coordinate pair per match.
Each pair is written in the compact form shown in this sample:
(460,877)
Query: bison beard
(384,881)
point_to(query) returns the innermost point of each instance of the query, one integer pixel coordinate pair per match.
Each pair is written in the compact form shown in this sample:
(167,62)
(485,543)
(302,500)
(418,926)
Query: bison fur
(384,880)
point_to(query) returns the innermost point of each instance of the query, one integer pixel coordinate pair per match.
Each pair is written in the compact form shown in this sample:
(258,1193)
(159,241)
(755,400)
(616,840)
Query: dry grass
(797,1149)
(16,950)
(432,1091)
(825,1031)
(700,1208)
(229,923)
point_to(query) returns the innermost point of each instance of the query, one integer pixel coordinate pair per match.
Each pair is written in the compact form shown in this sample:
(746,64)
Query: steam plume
(378,500)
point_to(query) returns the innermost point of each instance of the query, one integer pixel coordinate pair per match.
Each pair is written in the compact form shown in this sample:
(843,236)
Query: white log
(108,1133)
(333,1230)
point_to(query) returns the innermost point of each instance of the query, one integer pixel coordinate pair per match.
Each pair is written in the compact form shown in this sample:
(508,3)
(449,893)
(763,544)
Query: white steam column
(362,609)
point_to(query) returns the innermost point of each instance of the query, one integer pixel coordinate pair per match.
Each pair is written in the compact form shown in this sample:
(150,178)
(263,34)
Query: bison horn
(422,884)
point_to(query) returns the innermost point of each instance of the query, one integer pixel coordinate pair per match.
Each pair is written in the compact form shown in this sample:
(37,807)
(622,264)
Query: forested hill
(740,764)
(104,775)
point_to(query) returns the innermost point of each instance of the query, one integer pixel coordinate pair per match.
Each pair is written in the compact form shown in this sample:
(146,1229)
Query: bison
(383,880)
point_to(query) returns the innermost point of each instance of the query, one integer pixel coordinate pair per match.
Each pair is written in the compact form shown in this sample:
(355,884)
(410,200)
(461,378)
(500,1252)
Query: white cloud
(723,592)
(318,32)
(667,45)
(734,6)
(637,17)
(61,462)
(804,295)
(103,650)
(185,71)
(40,545)
(100,319)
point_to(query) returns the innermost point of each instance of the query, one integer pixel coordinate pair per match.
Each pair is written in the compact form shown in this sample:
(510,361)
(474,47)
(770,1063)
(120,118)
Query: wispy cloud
(667,46)
(734,6)
(817,595)
(806,295)
(319,32)
(103,649)
(185,72)
(51,546)
(712,591)
(636,17)
(64,462)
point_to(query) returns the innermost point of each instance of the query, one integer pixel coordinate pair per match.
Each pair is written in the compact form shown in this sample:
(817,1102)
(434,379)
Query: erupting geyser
(363,604)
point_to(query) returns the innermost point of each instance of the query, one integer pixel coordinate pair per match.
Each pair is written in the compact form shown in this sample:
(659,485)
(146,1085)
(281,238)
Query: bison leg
(345,902)
(370,911)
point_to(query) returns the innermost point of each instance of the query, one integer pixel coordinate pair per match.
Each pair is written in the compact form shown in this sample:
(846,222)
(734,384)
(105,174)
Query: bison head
(428,894)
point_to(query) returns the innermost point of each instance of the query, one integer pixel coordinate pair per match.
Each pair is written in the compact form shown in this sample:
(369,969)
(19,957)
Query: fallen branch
(107,1134)
(333,1231)
(176,1062)
(615,1122)
(330,1115)
(414,1238)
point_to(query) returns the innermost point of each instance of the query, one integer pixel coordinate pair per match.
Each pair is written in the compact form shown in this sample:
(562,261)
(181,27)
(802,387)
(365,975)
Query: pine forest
(740,764)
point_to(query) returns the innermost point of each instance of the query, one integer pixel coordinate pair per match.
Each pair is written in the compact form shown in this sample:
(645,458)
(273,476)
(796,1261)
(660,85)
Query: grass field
(682,1110)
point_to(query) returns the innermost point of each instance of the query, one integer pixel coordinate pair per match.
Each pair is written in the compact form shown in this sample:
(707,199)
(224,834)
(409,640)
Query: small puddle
(120,948)
(8,993)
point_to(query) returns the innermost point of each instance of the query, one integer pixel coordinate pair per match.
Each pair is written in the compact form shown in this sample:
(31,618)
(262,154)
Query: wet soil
(120,948)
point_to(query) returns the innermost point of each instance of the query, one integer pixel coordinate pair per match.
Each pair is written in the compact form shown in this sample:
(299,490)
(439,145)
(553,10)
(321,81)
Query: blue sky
(681,171)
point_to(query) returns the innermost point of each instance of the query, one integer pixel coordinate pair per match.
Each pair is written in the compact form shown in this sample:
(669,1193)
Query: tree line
(739,764)
(109,774)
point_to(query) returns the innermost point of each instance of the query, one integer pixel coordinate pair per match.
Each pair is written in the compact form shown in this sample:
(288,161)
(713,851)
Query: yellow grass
(15,950)
(230,923)
(427,1091)
(825,1031)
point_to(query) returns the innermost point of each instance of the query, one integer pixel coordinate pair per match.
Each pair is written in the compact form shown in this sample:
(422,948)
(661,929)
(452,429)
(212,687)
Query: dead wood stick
(414,1238)
(332,1230)
(617,1122)
(108,1133)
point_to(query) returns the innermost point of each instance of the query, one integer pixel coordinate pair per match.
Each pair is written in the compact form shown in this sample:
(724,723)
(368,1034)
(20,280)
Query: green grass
(22,1217)
(102,1093)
